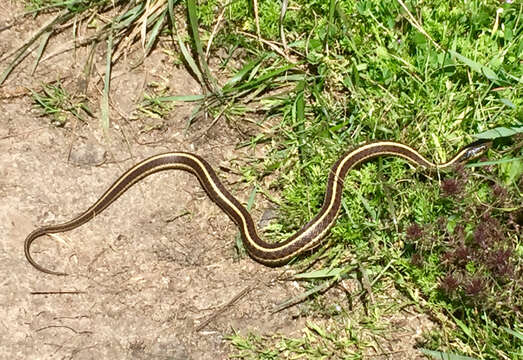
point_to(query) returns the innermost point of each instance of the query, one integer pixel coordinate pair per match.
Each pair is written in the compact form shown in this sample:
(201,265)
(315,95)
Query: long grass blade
(500,132)
(330,26)
(185,52)
(320,274)
(20,57)
(155,31)
(185,98)
(438,355)
(193,22)
(517,334)
(261,79)
(477,67)
(305,295)
(283,11)
(22,52)
(143,28)
(494,162)
(250,202)
(241,74)
(41,48)
(104,104)
(190,61)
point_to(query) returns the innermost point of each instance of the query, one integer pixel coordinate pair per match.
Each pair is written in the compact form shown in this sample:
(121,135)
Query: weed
(56,102)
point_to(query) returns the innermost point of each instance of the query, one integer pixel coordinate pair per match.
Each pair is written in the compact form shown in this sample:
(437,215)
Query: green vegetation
(431,74)
(57,103)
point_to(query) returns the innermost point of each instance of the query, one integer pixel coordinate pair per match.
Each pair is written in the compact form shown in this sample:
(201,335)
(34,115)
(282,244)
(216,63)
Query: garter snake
(271,254)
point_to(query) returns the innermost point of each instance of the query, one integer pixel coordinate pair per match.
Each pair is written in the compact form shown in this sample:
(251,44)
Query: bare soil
(160,262)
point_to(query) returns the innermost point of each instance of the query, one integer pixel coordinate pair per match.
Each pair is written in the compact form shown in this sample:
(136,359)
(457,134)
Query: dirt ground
(149,272)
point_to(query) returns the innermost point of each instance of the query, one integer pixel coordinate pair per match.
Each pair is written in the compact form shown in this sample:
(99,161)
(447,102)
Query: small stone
(87,154)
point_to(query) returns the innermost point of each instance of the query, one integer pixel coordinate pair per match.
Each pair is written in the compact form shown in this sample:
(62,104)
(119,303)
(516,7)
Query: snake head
(474,150)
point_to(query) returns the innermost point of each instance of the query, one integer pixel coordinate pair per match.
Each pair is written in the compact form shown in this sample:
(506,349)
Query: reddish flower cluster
(481,268)
(499,192)
(417,259)
(451,187)
(475,286)
(449,284)
(414,232)
(499,263)
(488,232)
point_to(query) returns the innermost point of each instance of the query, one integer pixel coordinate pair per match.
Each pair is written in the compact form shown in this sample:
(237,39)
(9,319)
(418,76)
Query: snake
(307,238)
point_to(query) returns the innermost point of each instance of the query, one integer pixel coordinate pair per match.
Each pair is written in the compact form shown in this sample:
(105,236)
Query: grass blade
(330,24)
(193,22)
(493,162)
(104,103)
(190,61)
(22,52)
(154,33)
(239,243)
(445,356)
(465,328)
(283,11)
(500,132)
(514,333)
(322,273)
(242,73)
(41,49)
(186,98)
(477,67)
(20,57)
(305,295)
(143,29)
(262,79)
(185,52)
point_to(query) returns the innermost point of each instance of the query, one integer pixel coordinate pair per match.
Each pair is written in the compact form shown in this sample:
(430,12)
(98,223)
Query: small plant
(479,264)
(57,103)
(482,267)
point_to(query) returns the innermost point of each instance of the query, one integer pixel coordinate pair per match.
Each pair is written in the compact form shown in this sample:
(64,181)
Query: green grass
(58,104)
(430,74)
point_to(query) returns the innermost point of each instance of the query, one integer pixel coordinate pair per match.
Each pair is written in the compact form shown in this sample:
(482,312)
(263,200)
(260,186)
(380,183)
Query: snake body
(271,254)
